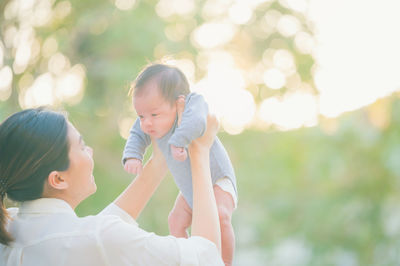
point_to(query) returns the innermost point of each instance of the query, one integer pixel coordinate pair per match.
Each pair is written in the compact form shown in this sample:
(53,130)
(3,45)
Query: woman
(45,165)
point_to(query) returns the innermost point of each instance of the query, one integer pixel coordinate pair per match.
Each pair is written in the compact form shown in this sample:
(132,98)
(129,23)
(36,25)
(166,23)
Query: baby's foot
(179,153)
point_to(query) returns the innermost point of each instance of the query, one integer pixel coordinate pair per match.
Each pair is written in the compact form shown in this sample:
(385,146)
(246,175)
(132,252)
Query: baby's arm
(135,148)
(192,126)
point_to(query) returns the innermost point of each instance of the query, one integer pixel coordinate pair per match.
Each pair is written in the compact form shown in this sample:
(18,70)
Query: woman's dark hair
(170,80)
(33,143)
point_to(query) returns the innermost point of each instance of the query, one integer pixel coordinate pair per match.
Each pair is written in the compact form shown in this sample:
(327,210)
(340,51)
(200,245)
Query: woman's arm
(137,194)
(205,220)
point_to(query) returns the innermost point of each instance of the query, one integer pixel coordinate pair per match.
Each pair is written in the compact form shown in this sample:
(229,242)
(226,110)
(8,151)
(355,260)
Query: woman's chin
(93,184)
(94,189)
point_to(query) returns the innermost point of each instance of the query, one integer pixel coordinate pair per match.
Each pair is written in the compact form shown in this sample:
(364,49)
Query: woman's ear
(56,181)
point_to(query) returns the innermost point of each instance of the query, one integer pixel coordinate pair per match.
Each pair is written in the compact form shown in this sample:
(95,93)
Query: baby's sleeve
(136,144)
(193,123)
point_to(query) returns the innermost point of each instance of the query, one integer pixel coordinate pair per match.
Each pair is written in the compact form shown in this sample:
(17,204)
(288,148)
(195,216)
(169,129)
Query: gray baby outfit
(193,125)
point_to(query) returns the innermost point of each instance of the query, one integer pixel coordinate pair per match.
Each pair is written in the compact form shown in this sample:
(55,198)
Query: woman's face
(79,175)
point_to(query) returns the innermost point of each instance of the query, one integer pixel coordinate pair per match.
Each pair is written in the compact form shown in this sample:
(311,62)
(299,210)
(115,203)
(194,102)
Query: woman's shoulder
(116,212)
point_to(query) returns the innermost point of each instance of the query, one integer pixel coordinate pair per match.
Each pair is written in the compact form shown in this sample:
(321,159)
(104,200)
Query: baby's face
(156,114)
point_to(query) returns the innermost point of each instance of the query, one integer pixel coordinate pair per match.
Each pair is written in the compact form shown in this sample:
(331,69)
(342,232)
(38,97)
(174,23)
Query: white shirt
(48,232)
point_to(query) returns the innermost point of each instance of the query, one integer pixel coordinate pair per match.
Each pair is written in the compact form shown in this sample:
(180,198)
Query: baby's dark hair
(170,80)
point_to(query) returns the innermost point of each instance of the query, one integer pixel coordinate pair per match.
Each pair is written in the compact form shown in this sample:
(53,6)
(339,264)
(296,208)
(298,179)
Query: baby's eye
(140,116)
(154,114)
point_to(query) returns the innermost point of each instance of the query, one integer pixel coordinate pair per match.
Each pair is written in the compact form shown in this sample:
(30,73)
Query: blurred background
(307,92)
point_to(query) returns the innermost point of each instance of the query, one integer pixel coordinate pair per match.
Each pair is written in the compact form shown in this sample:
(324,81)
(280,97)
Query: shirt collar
(45,206)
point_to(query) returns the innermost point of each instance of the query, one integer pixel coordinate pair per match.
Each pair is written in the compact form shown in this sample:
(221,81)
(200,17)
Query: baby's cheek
(168,125)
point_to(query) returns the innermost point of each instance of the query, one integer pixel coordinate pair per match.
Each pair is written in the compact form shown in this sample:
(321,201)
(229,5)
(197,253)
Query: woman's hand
(206,141)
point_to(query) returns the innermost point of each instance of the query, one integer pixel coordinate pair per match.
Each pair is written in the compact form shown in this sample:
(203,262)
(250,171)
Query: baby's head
(155,93)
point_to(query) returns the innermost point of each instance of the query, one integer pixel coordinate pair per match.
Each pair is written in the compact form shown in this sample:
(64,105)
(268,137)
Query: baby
(156,92)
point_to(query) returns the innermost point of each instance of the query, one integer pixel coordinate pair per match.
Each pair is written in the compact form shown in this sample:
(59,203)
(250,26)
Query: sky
(357,52)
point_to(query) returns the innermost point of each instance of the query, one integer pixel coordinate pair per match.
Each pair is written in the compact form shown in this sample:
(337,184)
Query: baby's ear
(180,106)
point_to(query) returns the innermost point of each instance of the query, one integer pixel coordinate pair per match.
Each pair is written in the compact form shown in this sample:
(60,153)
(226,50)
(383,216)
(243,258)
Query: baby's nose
(146,122)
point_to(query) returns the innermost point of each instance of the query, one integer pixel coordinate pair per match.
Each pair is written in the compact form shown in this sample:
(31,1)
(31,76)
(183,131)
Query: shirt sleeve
(193,123)
(136,144)
(113,209)
(127,244)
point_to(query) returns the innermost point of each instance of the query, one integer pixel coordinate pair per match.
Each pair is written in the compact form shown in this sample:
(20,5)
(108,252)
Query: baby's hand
(133,166)
(179,153)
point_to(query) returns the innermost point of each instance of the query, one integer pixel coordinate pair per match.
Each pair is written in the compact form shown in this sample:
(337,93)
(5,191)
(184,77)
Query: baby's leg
(225,206)
(180,218)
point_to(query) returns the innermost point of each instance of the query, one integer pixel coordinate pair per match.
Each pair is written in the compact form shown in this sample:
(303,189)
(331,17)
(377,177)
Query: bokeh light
(42,12)
(125,4)
(50,46)
(300,6)
(176,32)
(40,93)
(240,13)
(283,59)
(304,42)
(70,85)
(167,8)
(124,125)
(213,34)
(62,9)
(58,63)
(274,78)
(1,54)
(6,77)
(290,112)
(224,89)
(186,66)
(288,25)
(291,251)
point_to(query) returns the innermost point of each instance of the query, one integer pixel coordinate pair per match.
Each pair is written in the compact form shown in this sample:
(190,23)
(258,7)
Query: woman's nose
(90,151)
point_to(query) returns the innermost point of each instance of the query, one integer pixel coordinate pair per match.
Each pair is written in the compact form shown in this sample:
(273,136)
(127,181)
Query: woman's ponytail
(5,237)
